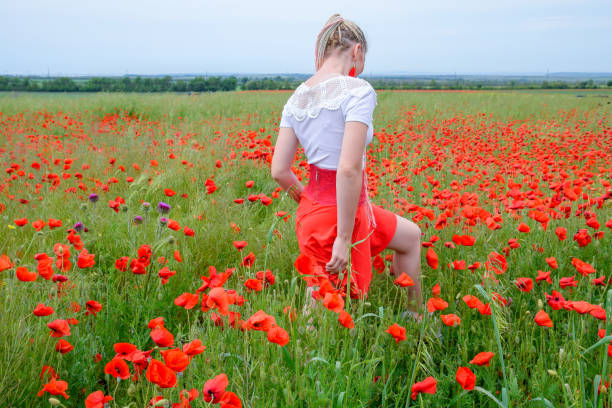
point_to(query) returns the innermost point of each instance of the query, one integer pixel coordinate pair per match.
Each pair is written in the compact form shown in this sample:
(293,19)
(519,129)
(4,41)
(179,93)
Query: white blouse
(318,114)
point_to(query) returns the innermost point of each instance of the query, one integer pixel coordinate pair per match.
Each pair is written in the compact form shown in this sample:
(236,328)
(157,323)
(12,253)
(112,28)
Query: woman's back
(318,114)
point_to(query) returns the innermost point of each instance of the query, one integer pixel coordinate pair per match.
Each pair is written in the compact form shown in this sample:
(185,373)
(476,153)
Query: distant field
(526,174)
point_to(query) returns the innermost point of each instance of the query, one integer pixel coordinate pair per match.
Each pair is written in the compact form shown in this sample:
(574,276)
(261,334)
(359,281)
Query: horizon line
(364,75)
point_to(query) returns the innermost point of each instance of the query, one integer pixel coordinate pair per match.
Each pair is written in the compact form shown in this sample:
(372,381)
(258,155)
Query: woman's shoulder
(329,94)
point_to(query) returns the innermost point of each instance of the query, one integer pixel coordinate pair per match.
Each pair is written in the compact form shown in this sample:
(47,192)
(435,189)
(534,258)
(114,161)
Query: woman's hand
(339,259)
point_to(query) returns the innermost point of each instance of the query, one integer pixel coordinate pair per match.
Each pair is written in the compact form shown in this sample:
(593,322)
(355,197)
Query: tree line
(231,83)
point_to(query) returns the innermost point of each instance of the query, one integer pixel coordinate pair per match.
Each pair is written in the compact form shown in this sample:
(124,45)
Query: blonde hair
(337,33)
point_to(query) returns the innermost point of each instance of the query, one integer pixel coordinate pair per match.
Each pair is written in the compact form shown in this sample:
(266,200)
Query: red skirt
(316,230)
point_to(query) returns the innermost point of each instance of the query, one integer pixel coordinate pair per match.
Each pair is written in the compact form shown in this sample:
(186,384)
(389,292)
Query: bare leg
(309,307)
(407,258)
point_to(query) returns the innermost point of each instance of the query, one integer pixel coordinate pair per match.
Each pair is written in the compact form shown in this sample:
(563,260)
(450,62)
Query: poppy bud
(54,402)
(124,208)
(171,240)
(540,304)
(131,390)
(552,372)
(162,403)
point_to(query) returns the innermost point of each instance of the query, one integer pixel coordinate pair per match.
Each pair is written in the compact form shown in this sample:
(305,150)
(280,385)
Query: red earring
(352,72)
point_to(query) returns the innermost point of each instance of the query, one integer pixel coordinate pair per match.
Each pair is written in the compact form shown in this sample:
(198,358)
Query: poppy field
(148,258)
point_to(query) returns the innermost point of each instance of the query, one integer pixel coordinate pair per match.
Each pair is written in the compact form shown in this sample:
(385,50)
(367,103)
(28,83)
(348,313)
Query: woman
(330,115)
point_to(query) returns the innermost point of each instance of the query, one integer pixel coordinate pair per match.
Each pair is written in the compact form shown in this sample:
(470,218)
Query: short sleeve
(360,106)
(284,121)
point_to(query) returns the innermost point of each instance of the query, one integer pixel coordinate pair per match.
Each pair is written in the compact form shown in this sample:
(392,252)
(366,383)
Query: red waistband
(321,187)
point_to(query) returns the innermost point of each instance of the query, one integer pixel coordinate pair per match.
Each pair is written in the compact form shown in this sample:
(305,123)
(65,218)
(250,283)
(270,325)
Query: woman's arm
(348,188)
(284,153)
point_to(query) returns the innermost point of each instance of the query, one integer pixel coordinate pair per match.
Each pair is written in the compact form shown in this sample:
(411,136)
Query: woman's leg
(406,243)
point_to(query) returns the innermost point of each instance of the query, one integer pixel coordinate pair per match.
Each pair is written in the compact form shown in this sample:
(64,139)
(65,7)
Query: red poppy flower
(97,399)
(513,243)
(581,306)
(497,263)
(397,332)
(59,328)
(20,222)
(176,359)
(260,321)
(378,264)
(253,285)
(55,387)
(165,274)
(601,281)
(524,284)
(266,277)
(42,310)
(157,322)
(63,346)
(162,337)
(159,374)
(482,358)
(404,280)
(188,231)
(218,298)
(230,400)
(117,368)
(214,389)
(240,244)
(187,300)
(86,260)
(24,275)
(121,264)
(561,233)
(434,304)
(38,225)
(194,348)
(552,262)
(582,267)
(93,307)
(125,350)
(523,227)
(248,260)
(568,281)
(169,192)
(173,225)
(583,238)
(345,319)
(5,263)
(466,378)
(333,302)
(432,258)
(472,301)
(53,223)
(451,319)
(543,276)
(428,386)
(278,335)
(542,319)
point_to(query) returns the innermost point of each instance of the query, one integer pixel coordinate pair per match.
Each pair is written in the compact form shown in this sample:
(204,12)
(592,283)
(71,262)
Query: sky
(118,37)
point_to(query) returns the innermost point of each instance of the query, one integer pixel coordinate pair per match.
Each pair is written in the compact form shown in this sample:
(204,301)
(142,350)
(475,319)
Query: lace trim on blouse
(329,94)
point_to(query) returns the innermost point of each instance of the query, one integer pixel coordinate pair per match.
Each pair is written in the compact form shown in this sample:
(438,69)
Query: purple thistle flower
(138,219)
(163,208)
(78,227)
(163,220)
(93,197)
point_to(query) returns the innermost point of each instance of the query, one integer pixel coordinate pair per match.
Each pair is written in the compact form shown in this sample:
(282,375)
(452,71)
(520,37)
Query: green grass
(330,366)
